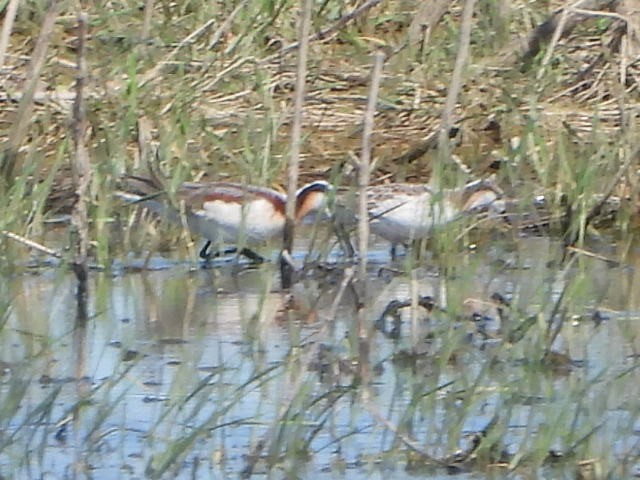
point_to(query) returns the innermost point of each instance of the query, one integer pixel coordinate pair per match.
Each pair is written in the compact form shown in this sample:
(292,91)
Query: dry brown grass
(216,87)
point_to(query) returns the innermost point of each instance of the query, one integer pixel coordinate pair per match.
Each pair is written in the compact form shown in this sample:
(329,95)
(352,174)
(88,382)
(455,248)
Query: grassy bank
(209,86)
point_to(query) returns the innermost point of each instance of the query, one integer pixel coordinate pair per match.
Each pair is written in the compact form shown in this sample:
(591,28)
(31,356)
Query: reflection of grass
(442,393)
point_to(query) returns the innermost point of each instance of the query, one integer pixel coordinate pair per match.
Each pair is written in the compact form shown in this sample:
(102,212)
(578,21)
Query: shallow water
(208,364)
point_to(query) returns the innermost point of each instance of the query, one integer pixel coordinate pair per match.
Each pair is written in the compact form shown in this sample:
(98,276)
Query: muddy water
(211,357)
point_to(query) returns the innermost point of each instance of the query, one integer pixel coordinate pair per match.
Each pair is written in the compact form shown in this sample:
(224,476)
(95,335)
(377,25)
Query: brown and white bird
(228,213)
(404,212)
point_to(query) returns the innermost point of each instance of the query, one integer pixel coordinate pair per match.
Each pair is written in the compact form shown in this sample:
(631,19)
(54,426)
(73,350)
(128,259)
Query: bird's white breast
(254,222)
(404,218)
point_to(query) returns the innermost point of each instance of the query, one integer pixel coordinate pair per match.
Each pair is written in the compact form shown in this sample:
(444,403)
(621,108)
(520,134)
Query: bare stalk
(24,114)
(146,24)
(323,34)
(31,244)
(564,15)
(81,169)
(7,26)
(286,269)
(364,173)
(427,16)
(364,170)
(456,77)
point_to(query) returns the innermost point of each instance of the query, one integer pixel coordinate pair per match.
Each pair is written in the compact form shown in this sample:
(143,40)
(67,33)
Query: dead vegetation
(212,85)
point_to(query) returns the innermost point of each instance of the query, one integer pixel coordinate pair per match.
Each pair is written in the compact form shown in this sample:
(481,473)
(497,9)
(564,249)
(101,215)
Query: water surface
(206,373)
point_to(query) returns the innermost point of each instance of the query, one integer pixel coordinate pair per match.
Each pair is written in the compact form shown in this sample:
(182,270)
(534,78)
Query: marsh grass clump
(214,91)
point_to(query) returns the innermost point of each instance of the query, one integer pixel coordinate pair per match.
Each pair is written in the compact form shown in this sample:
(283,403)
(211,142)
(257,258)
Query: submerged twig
(31,244)
(586,253)
(410,443)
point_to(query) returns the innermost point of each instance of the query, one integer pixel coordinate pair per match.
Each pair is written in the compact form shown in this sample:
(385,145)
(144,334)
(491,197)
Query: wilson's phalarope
(405,212)
(228,213)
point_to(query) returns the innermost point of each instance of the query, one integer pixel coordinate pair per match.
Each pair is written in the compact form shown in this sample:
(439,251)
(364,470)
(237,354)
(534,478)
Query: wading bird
(228,213)
(403,213)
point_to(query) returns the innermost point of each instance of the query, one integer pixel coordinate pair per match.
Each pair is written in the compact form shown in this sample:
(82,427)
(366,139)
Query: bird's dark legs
(345,241)
(394,250)
(251,255)
(206,254)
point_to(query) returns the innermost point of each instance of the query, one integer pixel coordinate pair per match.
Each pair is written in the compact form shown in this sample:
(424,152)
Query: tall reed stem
(81,169)
(364,328)
(24,115)
(7,26)
(286,268)
(456,81)
(364,168)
